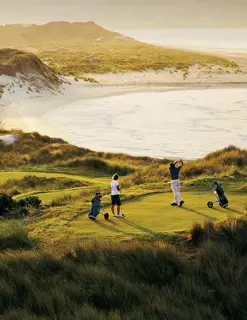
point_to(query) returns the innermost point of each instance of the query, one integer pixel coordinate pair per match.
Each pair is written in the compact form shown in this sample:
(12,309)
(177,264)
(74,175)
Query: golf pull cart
(96,206)
(220,195)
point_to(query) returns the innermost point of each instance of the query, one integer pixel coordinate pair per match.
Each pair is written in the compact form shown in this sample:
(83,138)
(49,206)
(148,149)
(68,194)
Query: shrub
(6,204)
(31,201)
(17,209)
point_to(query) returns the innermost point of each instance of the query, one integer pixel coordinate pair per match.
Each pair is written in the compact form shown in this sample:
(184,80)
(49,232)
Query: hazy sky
(128,13)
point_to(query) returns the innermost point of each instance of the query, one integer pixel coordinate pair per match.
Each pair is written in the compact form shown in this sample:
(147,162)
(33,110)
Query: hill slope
(85,47)
(53,33)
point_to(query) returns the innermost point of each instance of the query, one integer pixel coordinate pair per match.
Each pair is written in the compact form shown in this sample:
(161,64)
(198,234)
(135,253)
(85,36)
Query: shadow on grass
(111,227)
(206,216)
(235,211)
(137,226)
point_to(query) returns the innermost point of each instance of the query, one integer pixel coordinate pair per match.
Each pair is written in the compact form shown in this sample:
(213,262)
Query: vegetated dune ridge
(58,264)
(85,47)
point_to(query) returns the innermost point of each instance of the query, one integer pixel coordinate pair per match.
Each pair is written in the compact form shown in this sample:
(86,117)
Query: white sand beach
(109,116)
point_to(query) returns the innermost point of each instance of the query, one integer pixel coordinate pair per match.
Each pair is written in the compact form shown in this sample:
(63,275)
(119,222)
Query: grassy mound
(34,150)
(230,161)
(31,183)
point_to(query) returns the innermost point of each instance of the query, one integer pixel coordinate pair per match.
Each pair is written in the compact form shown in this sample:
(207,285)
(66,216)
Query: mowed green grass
(150,215)
(5,175)
(144,214)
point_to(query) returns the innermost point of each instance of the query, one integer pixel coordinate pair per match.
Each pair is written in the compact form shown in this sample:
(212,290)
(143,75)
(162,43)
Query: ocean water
(221,39)
(187,124)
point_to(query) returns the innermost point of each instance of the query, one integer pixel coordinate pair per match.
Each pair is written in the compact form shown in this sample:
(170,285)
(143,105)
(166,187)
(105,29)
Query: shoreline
(31,113)
(38,114)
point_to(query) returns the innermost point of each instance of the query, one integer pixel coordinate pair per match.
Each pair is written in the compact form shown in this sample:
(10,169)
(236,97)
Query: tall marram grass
(13,236)
(230,161)
(134,280)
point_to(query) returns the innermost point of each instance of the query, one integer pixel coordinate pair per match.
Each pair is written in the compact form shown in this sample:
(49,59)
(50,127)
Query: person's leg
(118,201)
(177,188)
(181,202)
(173,184)
(113,205)
(118,210)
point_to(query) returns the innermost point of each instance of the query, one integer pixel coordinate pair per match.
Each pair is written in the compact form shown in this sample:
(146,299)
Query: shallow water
(187,124)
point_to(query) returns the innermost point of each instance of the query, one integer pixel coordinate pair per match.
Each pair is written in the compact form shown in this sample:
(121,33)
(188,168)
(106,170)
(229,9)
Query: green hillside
(65,178)
(160,262)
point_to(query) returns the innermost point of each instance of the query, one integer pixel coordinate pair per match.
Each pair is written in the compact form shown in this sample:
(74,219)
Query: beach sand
(24,111)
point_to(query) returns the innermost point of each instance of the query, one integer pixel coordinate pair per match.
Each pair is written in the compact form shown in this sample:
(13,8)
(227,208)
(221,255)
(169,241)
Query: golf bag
(220,194)
(223,201)
(96,206)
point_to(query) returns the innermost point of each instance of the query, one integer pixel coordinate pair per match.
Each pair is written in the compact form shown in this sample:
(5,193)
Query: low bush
(31,201)
(10,208)
(6,204)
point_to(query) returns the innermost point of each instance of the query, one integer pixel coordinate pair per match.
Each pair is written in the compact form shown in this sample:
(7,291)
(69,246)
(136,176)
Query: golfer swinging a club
(175,182)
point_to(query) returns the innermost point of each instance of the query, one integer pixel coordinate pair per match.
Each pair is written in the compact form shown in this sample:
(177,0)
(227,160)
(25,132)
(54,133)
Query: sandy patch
(9,139)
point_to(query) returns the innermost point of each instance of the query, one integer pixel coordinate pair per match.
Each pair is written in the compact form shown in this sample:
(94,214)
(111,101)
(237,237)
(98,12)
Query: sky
(128,13)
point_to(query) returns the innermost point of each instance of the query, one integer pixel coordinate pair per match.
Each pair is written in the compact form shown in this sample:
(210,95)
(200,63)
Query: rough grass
(13,236)
(135,280)
(31,183)
(228,162)
(34,150)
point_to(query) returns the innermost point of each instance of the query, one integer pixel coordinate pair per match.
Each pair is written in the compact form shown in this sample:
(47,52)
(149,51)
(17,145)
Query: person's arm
(175,163)
(181,165)
(119,187)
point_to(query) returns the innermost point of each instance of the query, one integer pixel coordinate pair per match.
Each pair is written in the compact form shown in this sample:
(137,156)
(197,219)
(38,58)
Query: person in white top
(115,196)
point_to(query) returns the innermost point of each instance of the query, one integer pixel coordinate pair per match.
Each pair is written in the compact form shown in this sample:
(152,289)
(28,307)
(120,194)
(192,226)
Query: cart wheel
(210,204)
(106,216)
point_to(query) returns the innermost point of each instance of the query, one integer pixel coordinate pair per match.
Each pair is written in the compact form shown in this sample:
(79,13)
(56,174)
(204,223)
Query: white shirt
(114,190)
